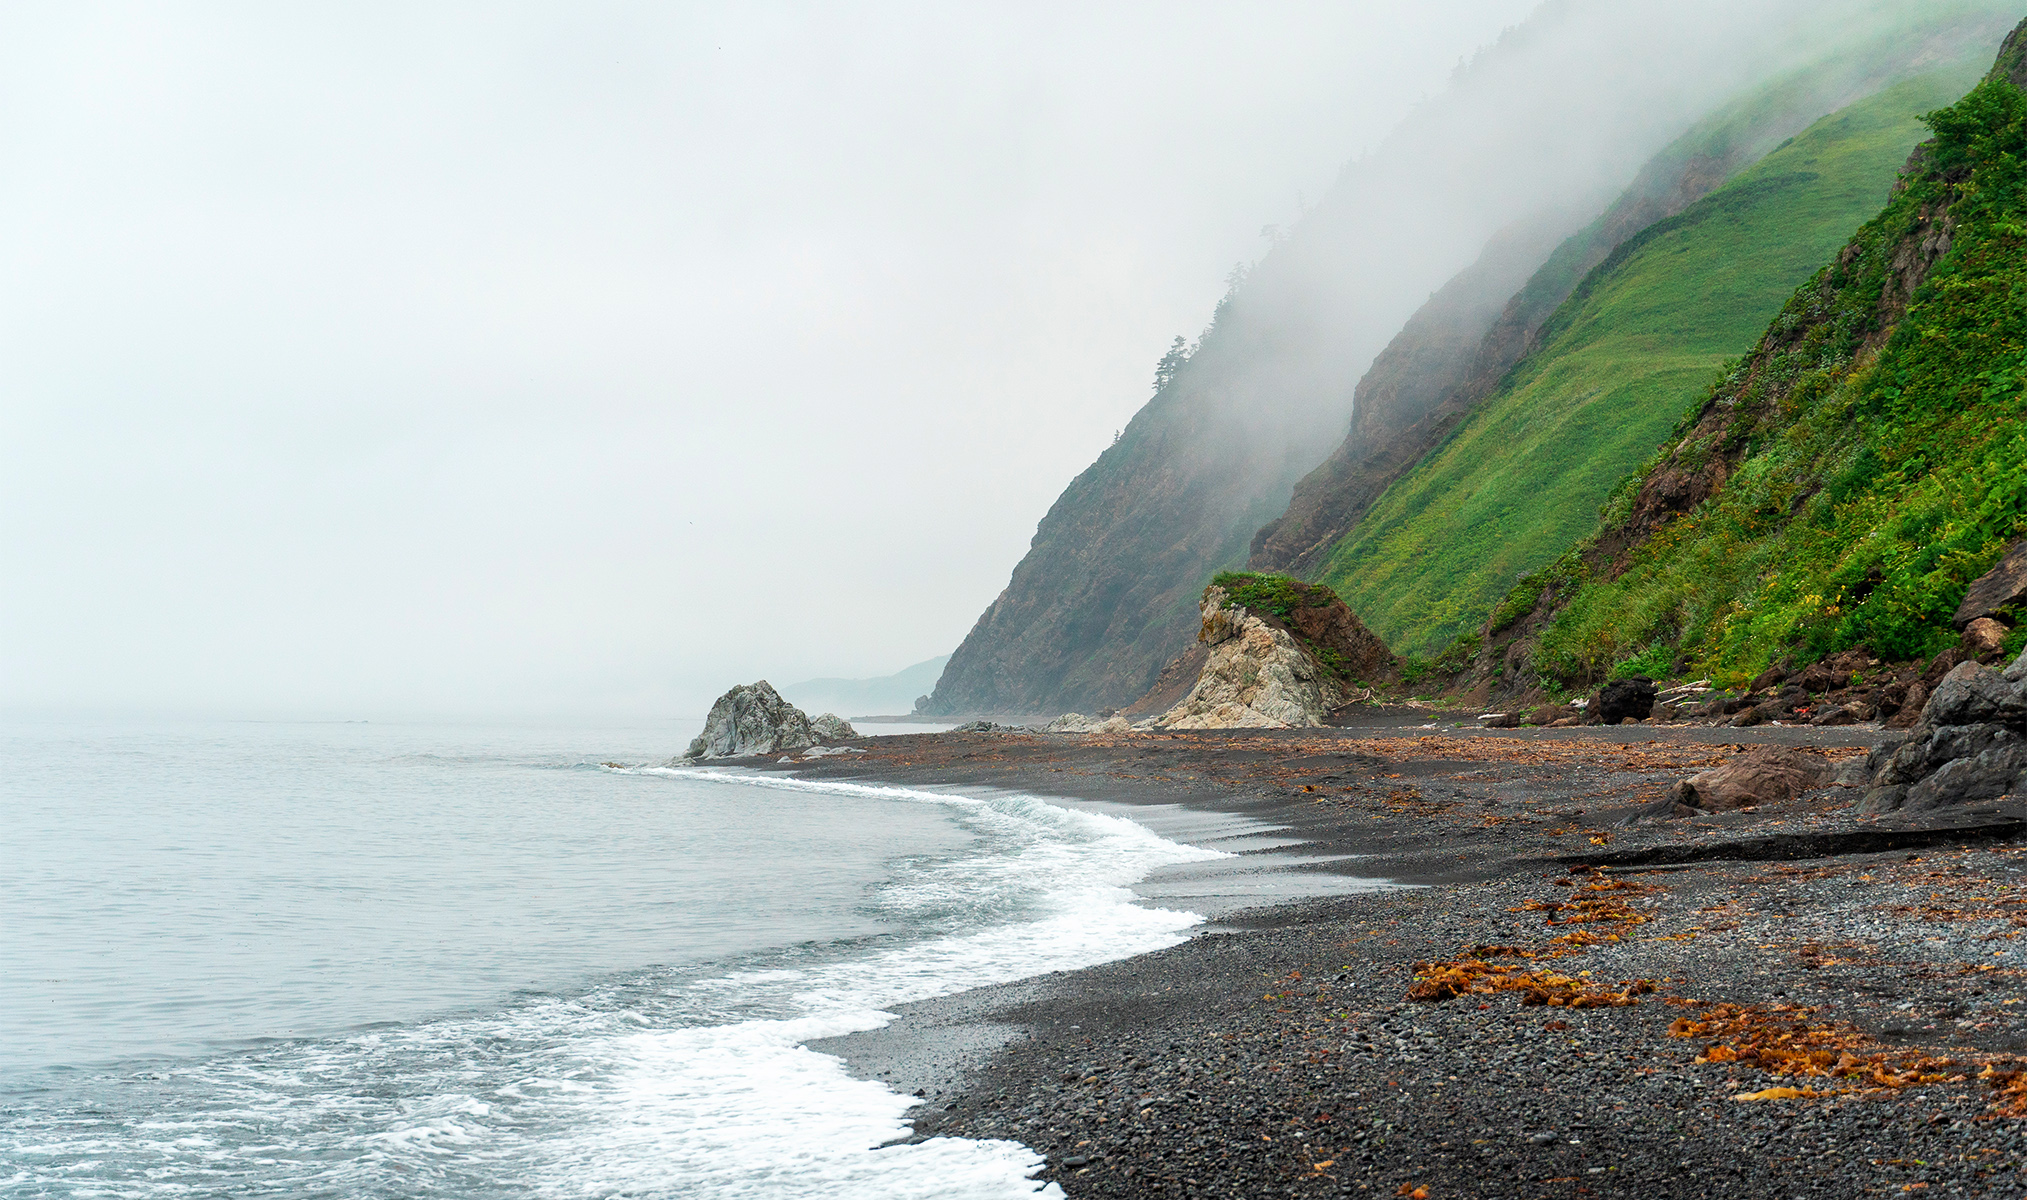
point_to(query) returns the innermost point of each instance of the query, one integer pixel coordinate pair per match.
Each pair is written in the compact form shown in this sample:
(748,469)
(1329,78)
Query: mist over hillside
(1534,136)
(1523,477)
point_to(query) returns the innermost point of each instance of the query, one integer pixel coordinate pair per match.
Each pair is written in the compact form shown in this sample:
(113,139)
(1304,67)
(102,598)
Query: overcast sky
(376,360)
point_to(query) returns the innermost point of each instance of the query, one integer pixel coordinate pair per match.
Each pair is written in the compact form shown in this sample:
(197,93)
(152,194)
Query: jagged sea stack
(1281,653)
(754,719)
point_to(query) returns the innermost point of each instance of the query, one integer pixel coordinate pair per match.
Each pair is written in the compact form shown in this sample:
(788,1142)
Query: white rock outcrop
(1257,676)
(754,719)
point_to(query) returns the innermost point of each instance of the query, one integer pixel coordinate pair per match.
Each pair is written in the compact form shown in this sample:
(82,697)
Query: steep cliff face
(1846,483)
(1106,593)
(1524,475)
(1454,352)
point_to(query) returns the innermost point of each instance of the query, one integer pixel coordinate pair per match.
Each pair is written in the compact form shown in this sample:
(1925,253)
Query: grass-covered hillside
(1844,483)
(1523,477)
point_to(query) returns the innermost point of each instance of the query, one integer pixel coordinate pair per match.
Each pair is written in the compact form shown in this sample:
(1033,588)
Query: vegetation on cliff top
(1280,595)
(1523,477)
(1873,481)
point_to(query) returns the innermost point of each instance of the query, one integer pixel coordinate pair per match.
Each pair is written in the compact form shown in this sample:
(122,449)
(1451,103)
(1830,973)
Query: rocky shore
(1785,999)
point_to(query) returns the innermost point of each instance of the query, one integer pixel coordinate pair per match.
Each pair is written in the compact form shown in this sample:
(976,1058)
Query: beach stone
(1762,775)
(831,727)
(1845,714)
(2002,587)
(752,719)
(1626,699)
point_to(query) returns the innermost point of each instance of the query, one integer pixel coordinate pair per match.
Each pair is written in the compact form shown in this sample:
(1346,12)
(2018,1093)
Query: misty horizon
(418,364)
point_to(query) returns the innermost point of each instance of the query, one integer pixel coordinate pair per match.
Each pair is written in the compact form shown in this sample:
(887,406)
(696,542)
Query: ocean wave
(677,1082)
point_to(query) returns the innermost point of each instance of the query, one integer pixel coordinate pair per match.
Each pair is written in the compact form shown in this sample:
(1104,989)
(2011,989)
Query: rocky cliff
(1276,653)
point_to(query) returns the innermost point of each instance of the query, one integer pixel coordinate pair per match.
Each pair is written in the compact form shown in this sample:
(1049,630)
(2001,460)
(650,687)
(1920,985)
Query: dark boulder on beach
(1970,744)
(1762,775)
(1627,700)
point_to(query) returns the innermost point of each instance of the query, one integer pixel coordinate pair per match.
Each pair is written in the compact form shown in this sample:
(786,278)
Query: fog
(369,361)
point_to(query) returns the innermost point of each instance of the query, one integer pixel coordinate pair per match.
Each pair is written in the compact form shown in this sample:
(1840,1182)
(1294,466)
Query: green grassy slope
(1871,464)
(1523,478)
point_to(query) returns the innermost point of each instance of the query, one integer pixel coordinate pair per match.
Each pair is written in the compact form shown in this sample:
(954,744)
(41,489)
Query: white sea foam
(747,1110)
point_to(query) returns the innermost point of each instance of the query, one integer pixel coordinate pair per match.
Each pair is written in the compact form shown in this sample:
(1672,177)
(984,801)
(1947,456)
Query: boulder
(831,727)
(1984,637)
(1969,744)
(1069,723)
(1843,714)
(1883,798)
(1758,714)
(752,719)
(1505,720)
(1771,677)
(1762,775)
(1549,714)
(1256,675)
(1942,664)
(2002,587)
(1995,772)
(1626,699)
(1821,677)
(1910,707)
(1972,694)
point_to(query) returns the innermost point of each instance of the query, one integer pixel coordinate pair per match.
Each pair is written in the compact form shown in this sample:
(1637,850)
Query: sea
(353,959)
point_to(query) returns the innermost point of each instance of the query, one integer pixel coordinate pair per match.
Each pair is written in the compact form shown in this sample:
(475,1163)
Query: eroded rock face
(754,719)
(1762,775)
(1969,745)
(1256,676)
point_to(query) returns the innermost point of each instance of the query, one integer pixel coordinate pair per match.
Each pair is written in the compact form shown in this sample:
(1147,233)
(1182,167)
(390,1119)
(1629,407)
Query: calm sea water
(364,960)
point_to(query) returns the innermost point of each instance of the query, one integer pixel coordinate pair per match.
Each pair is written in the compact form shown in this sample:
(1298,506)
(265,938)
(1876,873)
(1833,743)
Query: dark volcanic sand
(1277,1053)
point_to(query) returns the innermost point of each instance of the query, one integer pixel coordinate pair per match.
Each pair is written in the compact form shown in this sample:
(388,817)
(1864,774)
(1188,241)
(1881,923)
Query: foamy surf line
(706,1110)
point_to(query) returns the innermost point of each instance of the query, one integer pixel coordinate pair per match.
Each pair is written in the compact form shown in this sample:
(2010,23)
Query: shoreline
(1276,1050)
